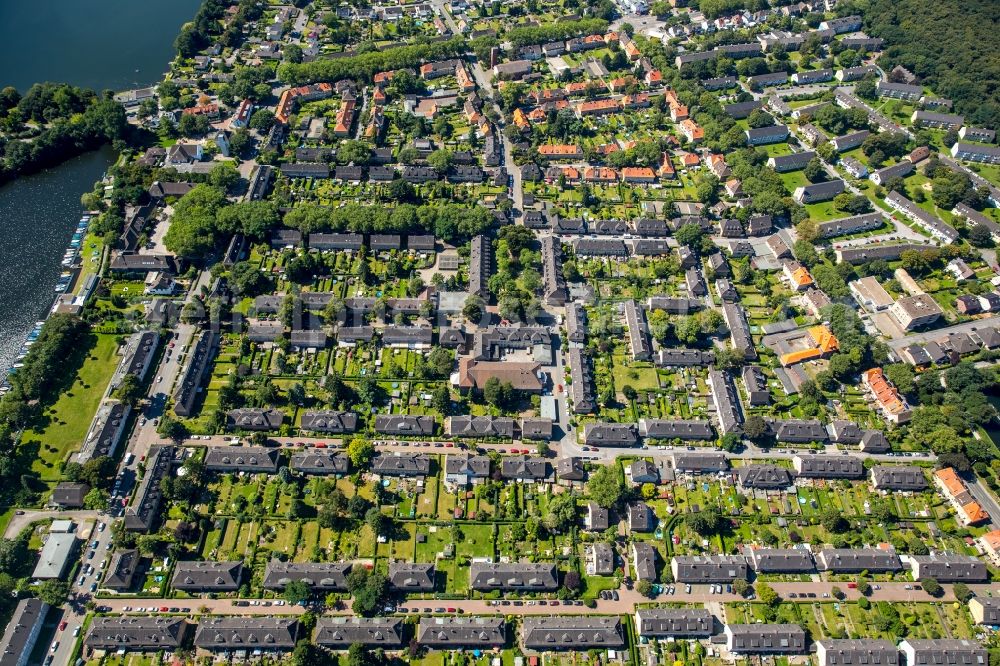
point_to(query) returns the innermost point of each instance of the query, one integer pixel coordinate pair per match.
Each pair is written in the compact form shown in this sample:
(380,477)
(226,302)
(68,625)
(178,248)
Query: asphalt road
(627,602)
(937,333)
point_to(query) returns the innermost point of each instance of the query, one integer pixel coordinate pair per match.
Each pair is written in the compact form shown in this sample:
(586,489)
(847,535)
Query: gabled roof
(326,576)
(207,576)
(572,633)
(341,631)
(247,633)
(513,576)
(411,577)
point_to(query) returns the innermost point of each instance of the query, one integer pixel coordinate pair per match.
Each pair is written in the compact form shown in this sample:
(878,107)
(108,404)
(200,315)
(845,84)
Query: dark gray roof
(253,418)
(674,622)
(401,464)
(325,576)
(467,464)
(597,517)
(207,576)
(570,469)
(247,633)
(241,459)
(764,476)
(766,638)
(899,477)
(610,434)
(341,632)
(797,430)
(20,636)
(708,461)
(874,441)
(70,495)
(524,467)
(121,572)
(781,560)
(481,426)
(949,568)
(329,421)
(857,652)
(848,560)
(813,466)
(709,568)
(676,428)
(677,356)
(536,428)
(513,576)
(448,632)
(411,577)
(399,424)
(320,461)
(952,651)
(644,560)
(572,633)
(145,506)
(136,633)
(844,432)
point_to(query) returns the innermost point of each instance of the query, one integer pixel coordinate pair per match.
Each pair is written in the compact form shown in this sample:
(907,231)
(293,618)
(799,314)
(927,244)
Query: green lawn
(70,417)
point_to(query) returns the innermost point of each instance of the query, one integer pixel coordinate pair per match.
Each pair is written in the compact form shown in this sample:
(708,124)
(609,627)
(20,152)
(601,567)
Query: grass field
(69,418)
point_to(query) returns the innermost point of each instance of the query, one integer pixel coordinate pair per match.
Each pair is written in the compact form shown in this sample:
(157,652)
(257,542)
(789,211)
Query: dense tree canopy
(949,44)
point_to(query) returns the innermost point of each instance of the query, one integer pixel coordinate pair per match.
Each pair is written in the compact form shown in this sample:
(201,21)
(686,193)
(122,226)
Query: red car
(62,626)
(321,445)
(164,609)
(451,610)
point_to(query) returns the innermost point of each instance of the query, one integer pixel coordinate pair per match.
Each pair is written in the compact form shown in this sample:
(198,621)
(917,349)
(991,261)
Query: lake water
(98,44)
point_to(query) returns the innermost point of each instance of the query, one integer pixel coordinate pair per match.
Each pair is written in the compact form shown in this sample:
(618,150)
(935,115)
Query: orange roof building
(599,107)
(691,130)
(990,544)
(557,151)
(638,175)
(957,493)
(578,88)
(344,119)
(619,84)
(654,77)
(636,101)
(678,112)
(892,405)
(521,120)
(797,275)
(465,82)
(666,169)
(537,115)
(600,175)
(819,341)
(690,160)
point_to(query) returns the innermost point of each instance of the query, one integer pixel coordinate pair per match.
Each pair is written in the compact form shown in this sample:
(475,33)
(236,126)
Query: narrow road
(926,336)
(23,519)
(627,602)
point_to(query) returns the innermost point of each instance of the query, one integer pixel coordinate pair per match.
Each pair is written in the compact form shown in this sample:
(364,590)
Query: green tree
(767,595)
(606,486)
(129,390)
(932,587)
(53,592)
(296,592)
(96,500)
(360,451)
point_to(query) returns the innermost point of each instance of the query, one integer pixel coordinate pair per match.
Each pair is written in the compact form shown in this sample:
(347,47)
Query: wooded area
(951,45)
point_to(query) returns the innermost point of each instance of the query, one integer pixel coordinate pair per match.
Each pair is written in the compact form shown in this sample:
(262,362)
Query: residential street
(926,336)
(626,604)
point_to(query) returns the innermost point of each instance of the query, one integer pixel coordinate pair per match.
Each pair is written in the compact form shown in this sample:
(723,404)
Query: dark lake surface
(99,44)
